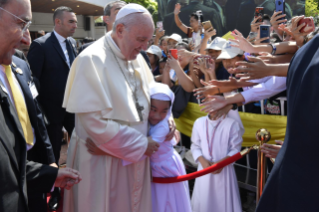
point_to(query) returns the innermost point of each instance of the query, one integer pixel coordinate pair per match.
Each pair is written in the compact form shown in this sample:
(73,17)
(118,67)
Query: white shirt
(5,82)
(63,46)
(264,90)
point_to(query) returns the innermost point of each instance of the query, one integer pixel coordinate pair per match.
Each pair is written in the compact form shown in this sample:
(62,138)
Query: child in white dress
(166,162)
(213,141)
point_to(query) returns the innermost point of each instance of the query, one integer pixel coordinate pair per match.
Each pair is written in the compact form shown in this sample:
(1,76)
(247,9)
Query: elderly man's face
(11,33)
(135,38)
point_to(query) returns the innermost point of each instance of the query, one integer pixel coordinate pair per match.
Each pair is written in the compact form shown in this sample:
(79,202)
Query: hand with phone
(297,29)
(254,26)
(177,9)
(210,32)
(259,40)
(259,12)
(159,33)
(277,19)
(264,34)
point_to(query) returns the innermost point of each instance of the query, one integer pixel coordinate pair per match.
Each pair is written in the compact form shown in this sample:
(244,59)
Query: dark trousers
(56,134)
(37,202)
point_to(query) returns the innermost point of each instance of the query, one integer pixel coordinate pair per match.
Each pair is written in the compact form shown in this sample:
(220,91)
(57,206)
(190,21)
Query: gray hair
(130,20)
(108,6)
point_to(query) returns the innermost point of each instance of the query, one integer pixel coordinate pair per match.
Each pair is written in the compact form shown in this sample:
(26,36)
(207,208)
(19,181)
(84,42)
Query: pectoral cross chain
(139,109)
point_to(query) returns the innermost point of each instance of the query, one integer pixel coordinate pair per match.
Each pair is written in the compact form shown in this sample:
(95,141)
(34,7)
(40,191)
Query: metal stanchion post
(263,136)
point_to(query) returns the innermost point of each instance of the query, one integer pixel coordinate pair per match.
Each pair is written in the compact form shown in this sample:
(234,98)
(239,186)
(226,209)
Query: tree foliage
(312,8)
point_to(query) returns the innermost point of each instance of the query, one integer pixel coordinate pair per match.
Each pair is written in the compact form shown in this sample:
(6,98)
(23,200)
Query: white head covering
(155,50)
(129,9)
(229,52)
(217,44)
(162,92)
(176,37)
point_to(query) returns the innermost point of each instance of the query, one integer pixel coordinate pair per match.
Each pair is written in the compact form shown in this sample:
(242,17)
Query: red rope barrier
(200,173)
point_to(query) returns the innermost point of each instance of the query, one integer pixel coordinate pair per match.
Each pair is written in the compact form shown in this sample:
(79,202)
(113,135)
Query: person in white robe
(166,162)
(213,141)
(108,90)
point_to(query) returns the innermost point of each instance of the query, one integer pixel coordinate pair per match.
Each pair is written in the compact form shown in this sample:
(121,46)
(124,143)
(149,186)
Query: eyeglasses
(24,26)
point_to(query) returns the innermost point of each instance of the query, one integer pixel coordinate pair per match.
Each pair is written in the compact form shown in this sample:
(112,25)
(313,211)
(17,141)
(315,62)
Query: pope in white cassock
(108,90)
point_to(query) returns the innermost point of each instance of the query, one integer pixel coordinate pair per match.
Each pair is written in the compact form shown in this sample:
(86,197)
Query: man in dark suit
(18,114)
(50,58)
(293,182)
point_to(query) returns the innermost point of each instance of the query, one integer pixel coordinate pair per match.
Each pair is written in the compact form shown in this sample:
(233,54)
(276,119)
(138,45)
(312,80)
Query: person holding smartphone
(195,21)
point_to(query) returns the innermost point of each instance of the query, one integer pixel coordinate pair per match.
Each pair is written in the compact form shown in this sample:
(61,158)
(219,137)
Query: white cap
(155,50)
(229,52)
(129,9)
(217,44)
(176,37)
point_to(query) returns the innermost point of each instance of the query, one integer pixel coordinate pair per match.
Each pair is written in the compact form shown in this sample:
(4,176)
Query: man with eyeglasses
(21,122)
(50,58)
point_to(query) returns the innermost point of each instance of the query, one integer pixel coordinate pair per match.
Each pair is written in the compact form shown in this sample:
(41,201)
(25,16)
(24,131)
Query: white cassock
(99,95)
(216,192)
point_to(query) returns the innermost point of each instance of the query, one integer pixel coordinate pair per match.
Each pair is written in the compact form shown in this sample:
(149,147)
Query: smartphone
(280,6)
(159,25)
(309,27)
(264,32)
(259,11)
(207,25)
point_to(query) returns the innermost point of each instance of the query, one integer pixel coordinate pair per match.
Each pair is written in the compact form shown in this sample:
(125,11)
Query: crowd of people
(117,97)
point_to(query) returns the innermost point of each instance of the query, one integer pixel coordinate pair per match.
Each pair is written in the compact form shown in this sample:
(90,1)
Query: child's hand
(205,163)
(218,171)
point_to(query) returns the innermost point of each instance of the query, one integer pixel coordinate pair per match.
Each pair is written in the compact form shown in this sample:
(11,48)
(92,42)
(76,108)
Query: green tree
(312,8)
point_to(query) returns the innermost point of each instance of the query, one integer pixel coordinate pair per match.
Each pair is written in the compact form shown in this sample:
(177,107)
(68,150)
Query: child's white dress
(166,162)
(215,140)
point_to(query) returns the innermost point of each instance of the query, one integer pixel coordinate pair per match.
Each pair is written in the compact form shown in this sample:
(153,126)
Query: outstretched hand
(271,150)
(232,82)
(248,71)
(241,42)
(205,91)
(213,103)
(67,177)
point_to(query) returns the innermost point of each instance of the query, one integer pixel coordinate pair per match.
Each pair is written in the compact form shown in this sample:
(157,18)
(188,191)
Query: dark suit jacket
(49,65)
(208,13)
(20,55)
(42,150)
(293,182)
(16,173)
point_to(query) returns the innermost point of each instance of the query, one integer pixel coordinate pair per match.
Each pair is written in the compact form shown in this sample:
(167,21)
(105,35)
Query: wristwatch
(235,106)
(273,48)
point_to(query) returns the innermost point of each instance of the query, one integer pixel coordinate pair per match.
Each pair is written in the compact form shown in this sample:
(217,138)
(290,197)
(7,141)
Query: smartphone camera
(279,3)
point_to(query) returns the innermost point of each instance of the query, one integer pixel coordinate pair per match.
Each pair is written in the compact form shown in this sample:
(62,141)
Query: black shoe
(54,202)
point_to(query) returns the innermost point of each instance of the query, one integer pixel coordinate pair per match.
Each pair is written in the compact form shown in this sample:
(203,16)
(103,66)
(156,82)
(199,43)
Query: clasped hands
(205,164)
(67,177)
